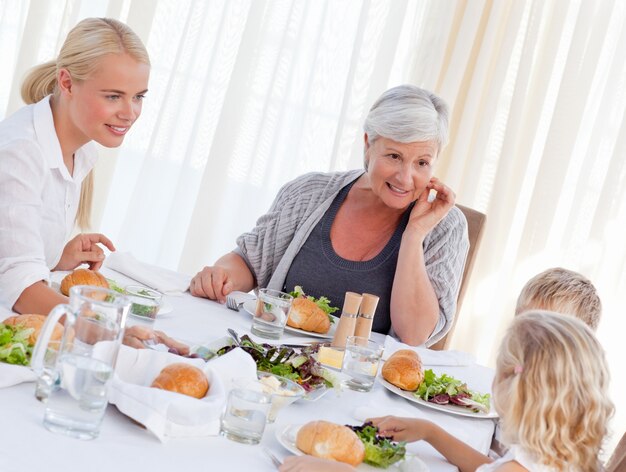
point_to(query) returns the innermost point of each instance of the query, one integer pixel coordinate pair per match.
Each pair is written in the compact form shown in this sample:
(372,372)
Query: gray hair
(407,114)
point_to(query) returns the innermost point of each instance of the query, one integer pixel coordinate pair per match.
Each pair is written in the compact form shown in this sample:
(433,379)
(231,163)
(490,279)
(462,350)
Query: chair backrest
(475,224)
(617,462)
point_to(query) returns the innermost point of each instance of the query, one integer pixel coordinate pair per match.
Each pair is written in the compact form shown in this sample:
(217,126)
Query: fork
(277,462)
(231,303)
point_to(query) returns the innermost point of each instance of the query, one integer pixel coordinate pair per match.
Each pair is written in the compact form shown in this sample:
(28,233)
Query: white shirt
(515,453)
(38,198)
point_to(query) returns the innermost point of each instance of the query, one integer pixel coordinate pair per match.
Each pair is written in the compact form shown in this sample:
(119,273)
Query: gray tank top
(321,271)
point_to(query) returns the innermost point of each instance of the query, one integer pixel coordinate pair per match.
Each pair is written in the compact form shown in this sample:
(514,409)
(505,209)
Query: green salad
(380,451)
(445,389)
(14,346)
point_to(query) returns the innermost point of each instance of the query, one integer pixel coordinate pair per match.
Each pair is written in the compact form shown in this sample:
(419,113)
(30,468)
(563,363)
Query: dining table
(125,445)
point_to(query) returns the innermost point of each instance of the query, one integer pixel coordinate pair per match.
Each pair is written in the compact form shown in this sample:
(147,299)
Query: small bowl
(145,302)
(284,392)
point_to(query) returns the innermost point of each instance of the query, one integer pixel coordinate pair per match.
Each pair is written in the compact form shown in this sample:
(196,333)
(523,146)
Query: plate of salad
(380,452)
(445,393)
(14,346)
(250,307)
(294,364)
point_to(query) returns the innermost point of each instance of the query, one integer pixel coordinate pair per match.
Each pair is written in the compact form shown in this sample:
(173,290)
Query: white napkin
(172,415)
(15,374)
(430,357)
(158,278)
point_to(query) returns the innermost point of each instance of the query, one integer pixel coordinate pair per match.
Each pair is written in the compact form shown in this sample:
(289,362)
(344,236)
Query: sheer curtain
(246,95)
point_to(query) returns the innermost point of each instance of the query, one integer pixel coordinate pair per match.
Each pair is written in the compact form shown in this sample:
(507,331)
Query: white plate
(449,408)
(250,307)
(287,438)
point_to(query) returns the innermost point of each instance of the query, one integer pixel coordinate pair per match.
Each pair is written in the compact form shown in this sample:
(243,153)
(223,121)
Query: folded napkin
(172,415)
(15,374)
(430,357)
(158,278)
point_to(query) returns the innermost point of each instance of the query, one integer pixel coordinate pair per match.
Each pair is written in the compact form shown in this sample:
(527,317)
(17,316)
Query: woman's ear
(366,142)
(64,81)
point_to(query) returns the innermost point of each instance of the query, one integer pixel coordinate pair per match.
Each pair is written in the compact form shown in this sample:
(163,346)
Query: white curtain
(246,95)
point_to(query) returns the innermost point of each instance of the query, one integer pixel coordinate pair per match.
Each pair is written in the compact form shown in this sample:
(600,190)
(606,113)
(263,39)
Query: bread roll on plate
(306,315)
(82,277)
(182,378)
(36,322)
(404,370)
(330,441)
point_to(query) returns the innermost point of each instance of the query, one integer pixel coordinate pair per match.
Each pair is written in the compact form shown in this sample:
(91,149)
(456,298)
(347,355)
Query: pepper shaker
(347,322)
(366,315)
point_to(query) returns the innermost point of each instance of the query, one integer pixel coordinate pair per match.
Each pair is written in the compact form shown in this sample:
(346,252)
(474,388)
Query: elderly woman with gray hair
(374,230)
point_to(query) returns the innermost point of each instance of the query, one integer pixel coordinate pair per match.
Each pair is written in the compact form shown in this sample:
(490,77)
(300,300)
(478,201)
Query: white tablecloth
(125,446)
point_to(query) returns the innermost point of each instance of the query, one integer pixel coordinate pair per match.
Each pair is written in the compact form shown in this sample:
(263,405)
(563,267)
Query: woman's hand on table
(425,214)
(402,429)
(229,273)
(135,336)
(212,282)
(84,249)
(313,464)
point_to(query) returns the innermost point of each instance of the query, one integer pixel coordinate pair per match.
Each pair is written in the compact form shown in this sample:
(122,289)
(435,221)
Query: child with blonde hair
(563,291)
(551,392)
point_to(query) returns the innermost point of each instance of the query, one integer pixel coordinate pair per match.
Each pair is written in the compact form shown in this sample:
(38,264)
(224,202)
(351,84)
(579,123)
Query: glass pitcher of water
(84,364)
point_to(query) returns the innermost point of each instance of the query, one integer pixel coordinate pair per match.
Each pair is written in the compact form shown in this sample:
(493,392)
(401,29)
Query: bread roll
(331,441)
(182,378)
(404,370)
(36,322)
(82,277)
(306,315)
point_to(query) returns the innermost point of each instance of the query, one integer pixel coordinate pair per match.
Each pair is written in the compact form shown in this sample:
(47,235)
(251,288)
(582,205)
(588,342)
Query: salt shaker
(366,316)
(347,322)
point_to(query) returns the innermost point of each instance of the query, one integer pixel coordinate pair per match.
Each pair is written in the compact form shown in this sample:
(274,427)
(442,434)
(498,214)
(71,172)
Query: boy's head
(563,291)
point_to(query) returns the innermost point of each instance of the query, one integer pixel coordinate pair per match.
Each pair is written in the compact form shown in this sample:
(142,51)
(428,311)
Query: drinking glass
(271,313)
(84,362)
(145,304)
(245,415)
(360,363)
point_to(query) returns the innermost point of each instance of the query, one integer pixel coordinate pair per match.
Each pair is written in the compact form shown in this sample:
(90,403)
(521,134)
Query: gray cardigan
(271,246)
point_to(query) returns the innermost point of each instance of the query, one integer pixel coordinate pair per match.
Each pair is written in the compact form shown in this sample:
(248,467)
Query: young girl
(93,91)
(551,392)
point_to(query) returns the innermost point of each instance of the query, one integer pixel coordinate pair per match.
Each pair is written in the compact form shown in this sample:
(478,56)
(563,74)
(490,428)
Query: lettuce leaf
(14,346)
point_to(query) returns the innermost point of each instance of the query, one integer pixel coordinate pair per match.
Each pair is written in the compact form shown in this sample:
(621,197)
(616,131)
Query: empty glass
(271,313)
(245,415)
(360,363)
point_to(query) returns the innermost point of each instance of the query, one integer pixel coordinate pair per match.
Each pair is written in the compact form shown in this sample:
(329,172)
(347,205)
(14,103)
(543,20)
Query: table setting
(150,428)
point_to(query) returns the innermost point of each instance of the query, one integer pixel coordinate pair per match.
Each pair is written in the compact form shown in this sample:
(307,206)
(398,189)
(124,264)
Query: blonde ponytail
(40,82)
(83,215)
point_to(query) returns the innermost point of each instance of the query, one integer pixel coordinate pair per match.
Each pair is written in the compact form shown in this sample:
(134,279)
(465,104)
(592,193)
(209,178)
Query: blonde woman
(551,392)
(93,91)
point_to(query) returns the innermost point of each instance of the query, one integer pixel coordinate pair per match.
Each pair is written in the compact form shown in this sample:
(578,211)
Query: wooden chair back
(475,225)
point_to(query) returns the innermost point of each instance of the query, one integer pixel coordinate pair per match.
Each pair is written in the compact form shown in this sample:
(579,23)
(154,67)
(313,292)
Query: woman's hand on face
(401,429)
(313,464)
(136,335)
(213,283)
(425,214)
(84,249)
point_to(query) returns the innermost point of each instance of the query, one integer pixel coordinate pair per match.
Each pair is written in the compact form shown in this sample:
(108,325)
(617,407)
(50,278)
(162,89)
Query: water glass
(245,415)
(360,363)
(145,304)
(271,313)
